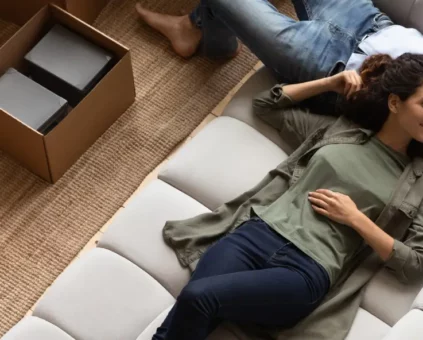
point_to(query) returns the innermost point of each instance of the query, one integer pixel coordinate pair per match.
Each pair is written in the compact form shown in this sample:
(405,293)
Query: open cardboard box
(20,11)
(50,155)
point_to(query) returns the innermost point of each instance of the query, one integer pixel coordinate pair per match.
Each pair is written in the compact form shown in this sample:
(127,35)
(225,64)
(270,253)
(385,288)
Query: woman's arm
(278,106)
(345,83)
(294,124)
(342,209)
(288,95)
(381,242)
(404,259)
(303,91)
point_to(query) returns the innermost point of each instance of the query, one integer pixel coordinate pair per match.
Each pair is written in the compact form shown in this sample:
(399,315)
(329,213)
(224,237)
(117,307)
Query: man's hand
(334,205)
(346,83)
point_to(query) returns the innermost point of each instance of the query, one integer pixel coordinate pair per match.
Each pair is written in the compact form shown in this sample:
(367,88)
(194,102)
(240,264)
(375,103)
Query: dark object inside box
(68,64)
(31,103)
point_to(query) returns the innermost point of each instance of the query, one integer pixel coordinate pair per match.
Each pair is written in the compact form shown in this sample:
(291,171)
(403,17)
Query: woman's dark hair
(382,76)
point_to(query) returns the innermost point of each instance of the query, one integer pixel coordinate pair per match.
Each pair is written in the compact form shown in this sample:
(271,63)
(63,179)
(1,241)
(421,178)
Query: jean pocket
(338,67)
(280,256)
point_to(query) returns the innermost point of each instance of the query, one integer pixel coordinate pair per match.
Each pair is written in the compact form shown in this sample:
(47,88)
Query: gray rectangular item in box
(69,57)
(28,101)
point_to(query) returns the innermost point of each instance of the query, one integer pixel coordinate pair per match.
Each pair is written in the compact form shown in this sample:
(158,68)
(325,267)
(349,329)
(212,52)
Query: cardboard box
(49,156)
(20,11)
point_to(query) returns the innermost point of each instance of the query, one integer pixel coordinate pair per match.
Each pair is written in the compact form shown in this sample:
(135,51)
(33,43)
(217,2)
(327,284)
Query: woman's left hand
(346,83)
(334,205)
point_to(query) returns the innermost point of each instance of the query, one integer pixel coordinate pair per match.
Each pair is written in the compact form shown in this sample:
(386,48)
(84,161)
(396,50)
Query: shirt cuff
(278,95)
(398,257)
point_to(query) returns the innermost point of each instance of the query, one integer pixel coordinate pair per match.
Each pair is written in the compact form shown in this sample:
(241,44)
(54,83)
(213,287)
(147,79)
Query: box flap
(12,52)
(88,31)
(20,11)
(24,144)
(86,10)
(91,118)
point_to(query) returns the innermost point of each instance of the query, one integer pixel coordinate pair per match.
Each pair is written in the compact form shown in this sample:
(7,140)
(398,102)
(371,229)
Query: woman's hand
(342,209)
(346,83)
(334,205)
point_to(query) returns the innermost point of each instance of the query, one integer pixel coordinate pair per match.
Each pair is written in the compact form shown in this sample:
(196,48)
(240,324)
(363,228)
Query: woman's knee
(199,293)
(193,291)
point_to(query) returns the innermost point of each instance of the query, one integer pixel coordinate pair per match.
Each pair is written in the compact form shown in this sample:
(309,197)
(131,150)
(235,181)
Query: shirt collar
(367,132)
(418,166)
(417,161)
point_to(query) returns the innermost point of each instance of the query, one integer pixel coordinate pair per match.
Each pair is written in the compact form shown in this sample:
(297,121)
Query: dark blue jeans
(252,275)
(318,45)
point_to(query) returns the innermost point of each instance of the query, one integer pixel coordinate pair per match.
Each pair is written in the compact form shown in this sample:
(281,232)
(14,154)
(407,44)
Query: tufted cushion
(136,233)
(389,299)
(410,327)
(223,161)
(408,13)
(367,327)
(33,328)
(103,296)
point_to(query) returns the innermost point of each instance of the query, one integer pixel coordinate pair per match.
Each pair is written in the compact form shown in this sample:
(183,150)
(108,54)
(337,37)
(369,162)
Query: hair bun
(373,67)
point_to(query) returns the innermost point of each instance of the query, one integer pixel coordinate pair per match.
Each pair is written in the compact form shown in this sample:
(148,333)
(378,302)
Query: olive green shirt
(402,218)
(367,173)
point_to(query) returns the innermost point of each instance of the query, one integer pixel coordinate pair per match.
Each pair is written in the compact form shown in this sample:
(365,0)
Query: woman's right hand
(345,83)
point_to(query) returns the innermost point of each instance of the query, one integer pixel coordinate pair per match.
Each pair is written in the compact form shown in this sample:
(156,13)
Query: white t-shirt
(394,40)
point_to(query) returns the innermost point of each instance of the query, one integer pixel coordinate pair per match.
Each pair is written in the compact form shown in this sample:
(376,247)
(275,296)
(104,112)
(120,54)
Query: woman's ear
(393,103)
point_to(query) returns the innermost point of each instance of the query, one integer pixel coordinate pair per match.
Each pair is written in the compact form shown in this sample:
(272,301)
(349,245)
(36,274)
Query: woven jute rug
(44,226)
(6,31)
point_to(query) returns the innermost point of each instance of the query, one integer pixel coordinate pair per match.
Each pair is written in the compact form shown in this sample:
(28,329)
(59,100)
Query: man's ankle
(186,23)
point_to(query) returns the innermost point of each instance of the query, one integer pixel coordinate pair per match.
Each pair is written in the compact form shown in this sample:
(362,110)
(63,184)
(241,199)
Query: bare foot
(180,31)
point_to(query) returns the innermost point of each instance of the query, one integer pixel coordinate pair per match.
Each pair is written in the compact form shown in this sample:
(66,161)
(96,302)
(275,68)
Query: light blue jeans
(317,46)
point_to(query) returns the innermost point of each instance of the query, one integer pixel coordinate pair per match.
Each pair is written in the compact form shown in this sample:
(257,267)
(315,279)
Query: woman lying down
(291,255)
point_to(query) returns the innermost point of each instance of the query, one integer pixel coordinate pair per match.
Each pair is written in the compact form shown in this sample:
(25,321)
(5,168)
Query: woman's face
(410,115)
